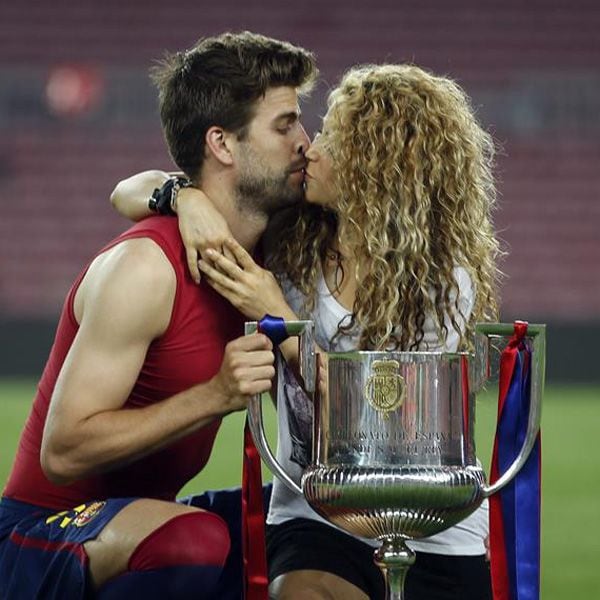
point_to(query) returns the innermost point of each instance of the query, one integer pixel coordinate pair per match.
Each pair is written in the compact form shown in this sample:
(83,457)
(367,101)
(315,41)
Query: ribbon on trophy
(256,582)
(515,510)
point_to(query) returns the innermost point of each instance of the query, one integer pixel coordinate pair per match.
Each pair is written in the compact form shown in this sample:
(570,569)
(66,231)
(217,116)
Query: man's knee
(183,558)
(196,538)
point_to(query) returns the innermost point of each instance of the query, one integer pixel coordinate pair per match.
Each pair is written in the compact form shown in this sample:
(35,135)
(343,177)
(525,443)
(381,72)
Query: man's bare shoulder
(137,259)
(134,276)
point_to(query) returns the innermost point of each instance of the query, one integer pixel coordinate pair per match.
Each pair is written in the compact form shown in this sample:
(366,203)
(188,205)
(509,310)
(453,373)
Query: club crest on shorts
(88,513)
(386,388)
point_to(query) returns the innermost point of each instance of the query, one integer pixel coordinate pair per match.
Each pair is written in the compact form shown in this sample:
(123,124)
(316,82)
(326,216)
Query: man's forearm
(114,438)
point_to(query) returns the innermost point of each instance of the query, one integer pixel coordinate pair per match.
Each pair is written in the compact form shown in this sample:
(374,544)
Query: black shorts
(306,544)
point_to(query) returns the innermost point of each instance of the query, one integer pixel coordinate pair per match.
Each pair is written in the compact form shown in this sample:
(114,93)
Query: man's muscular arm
(124,302)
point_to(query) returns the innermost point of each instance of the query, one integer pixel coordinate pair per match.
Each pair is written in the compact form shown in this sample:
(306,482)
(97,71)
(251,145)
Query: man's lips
(298,173)
(297,168)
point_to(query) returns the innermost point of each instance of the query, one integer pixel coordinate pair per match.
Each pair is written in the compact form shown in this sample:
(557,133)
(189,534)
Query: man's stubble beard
(266,195)
(261,191)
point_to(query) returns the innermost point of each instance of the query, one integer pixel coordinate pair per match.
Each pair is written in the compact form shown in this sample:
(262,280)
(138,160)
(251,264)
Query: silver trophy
(393,454)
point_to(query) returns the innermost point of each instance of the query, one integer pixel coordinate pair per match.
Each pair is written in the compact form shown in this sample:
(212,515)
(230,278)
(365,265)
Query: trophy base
(406,502)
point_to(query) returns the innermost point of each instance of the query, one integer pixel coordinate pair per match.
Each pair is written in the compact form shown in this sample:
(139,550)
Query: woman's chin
(312,198)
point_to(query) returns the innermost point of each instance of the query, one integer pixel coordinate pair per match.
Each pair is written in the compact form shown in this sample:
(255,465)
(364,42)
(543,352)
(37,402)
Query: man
(146,363)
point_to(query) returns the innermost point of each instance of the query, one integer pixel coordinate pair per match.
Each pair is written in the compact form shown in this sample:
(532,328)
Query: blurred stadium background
(77,113)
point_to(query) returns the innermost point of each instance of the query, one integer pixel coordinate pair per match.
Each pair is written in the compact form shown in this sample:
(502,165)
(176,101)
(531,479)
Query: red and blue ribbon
(253,517)
(256,582)
(515,510)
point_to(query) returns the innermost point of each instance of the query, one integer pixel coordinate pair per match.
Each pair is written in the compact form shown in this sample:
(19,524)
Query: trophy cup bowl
(393,452)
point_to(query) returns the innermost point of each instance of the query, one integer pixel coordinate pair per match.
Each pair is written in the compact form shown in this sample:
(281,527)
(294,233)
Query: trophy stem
(394,558)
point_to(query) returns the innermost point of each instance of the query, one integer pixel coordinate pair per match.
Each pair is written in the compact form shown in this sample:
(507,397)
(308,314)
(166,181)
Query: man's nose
(303,142)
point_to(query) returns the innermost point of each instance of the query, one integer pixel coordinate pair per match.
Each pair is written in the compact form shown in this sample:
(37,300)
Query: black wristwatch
(164,198)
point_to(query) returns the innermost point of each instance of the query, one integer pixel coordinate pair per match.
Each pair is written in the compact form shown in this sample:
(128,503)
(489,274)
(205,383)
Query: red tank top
(188,353)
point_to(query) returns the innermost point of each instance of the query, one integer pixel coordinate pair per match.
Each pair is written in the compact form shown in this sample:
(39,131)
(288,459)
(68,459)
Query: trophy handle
(536,337)
(304,330)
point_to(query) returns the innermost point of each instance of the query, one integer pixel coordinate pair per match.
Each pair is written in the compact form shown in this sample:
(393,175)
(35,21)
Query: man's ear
(218,143)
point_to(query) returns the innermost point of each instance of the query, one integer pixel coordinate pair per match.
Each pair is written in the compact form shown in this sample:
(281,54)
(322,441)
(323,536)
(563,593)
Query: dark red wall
(533,70)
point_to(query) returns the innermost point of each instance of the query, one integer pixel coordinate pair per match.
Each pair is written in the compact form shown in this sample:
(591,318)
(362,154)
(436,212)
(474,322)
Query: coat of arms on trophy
(386,388)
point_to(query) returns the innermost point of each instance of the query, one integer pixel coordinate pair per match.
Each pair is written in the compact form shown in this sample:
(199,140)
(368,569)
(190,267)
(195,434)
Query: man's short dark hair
(217,82)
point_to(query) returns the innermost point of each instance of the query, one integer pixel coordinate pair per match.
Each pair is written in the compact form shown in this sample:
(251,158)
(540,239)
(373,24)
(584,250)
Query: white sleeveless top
(293,447)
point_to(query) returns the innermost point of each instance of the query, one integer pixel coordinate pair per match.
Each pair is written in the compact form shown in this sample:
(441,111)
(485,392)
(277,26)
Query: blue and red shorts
(42,554)
(41,551)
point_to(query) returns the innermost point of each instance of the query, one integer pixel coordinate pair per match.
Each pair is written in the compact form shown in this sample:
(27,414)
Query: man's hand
(247,369)
(201,226)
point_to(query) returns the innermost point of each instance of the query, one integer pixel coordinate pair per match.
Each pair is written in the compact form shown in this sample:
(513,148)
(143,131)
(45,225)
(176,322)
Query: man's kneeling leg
(181,559)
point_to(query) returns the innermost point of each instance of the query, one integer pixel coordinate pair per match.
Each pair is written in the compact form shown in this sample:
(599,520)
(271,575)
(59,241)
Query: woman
(394,249)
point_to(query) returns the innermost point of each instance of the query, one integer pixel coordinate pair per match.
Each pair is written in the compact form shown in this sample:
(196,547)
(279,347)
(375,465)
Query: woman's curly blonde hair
(413,172)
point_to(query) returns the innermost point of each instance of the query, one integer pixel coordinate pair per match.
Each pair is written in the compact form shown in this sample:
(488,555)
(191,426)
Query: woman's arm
(130,196)
(201,225)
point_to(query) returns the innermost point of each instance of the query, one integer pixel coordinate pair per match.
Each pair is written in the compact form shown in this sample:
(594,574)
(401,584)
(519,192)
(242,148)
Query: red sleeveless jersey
(188,353)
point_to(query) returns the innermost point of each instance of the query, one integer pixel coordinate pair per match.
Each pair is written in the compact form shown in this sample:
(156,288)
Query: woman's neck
(339,271)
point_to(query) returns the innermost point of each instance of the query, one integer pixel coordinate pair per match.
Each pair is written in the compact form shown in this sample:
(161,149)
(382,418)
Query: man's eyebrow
(289,116)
